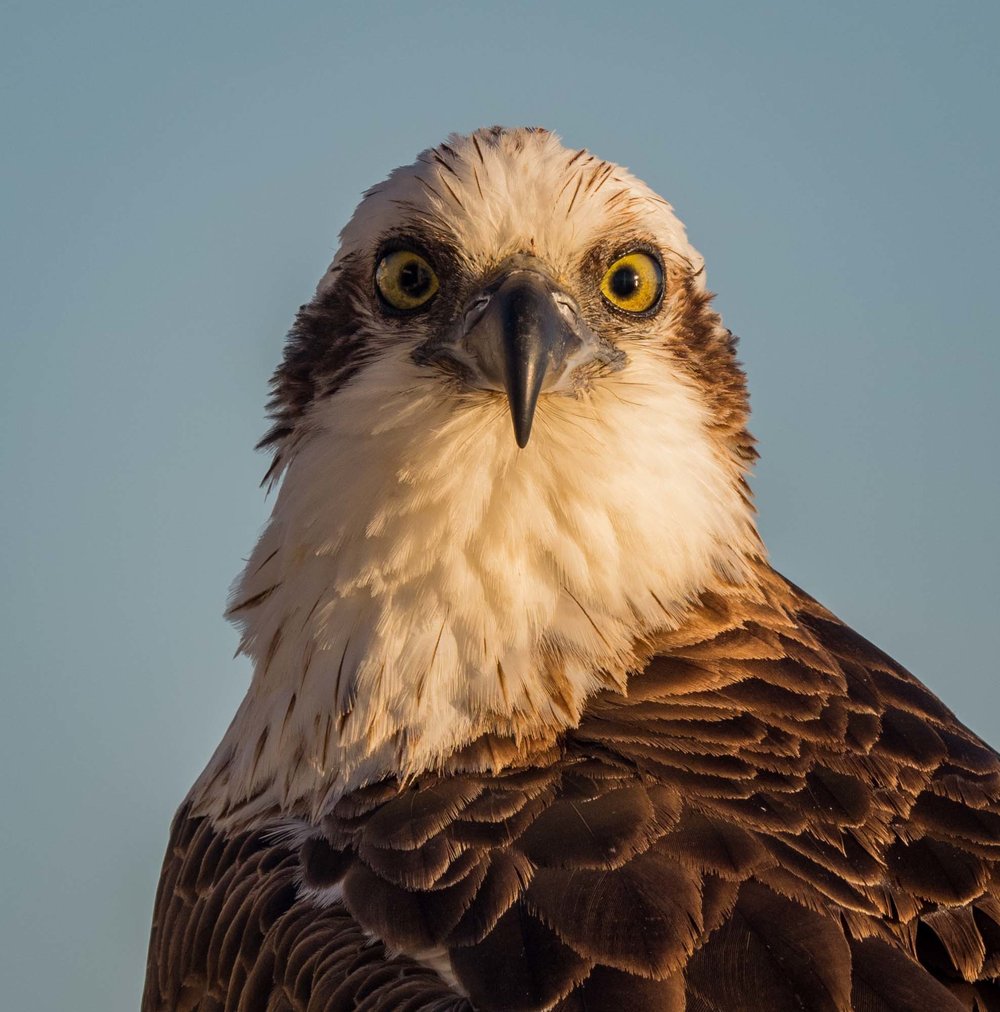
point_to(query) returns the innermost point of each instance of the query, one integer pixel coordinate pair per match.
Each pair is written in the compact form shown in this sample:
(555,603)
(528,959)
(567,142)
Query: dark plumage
(777,817)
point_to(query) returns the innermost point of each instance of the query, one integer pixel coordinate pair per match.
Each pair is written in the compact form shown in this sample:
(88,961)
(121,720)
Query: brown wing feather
(230,933)
(775,816)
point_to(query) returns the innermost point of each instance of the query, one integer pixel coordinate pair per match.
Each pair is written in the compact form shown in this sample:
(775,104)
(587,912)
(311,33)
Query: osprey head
(507,267)
(431,575)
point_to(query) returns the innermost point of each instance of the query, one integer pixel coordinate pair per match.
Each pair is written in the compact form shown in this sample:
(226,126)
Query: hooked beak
(522,335)
(521,342)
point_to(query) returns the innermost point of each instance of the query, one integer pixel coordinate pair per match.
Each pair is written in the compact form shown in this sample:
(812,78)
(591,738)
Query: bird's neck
(423,582)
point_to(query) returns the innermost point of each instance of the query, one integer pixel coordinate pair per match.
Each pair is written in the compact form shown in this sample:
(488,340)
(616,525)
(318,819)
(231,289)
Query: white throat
(423,582)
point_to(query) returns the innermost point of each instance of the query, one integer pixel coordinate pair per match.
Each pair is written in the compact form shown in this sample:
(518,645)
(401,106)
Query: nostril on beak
(474,311)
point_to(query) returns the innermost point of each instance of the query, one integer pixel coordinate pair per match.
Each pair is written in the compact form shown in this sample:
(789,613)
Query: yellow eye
(633,282)
(405,280)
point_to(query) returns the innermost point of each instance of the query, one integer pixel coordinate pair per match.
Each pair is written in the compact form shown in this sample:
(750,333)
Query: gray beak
(521,342)
(521,335)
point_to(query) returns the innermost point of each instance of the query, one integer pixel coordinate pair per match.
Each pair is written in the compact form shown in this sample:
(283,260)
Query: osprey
(533,724)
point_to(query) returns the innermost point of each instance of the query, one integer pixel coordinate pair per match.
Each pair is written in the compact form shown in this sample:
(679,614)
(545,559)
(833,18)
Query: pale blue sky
(174,176)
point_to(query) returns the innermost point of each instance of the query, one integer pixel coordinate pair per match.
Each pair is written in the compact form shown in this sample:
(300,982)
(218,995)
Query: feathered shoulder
(775,816)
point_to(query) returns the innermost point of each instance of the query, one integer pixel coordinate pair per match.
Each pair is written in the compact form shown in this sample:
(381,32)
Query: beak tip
(522,431)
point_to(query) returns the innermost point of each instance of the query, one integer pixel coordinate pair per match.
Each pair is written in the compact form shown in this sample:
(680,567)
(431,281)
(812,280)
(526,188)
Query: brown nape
(323,350)
(706,350)
(777,816)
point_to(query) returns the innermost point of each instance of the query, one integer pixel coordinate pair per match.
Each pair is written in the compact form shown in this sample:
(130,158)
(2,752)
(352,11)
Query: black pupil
(625,282)
(414,279)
